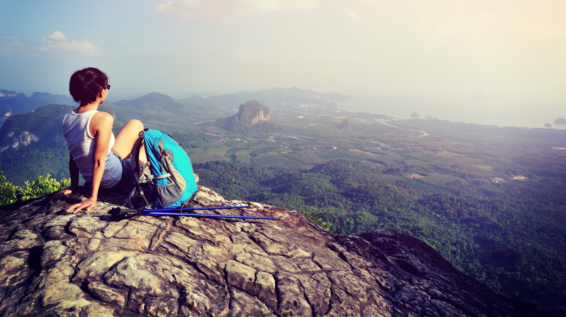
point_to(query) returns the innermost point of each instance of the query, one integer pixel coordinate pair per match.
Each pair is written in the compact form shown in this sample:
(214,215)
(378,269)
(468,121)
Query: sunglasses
(108,86)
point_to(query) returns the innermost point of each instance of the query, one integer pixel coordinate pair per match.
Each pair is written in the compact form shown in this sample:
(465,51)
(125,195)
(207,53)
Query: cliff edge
(58,264)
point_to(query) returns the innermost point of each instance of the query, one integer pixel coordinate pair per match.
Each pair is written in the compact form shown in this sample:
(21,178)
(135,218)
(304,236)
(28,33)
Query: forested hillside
(32,144)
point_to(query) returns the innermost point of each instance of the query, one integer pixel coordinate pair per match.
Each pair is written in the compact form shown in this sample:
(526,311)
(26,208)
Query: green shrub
(44,185)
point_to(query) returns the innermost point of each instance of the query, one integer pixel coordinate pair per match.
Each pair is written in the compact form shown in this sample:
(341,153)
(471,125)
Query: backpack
(168,172)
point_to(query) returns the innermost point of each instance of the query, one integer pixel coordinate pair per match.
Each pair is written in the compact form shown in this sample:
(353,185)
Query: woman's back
(81,147)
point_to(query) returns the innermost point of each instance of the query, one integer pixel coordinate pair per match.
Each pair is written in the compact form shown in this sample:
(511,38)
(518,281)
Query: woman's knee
(135,123)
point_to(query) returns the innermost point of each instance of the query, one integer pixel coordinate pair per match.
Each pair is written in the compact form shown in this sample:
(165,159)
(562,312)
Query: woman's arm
(74,172)
(101,128)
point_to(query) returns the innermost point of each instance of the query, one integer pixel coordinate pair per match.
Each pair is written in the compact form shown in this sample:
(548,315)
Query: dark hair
(85,84)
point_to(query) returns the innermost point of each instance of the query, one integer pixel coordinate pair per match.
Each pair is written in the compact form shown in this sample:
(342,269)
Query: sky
(391,55)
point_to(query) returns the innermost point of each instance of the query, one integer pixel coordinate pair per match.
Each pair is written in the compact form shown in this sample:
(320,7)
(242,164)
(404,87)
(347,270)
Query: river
(424,133)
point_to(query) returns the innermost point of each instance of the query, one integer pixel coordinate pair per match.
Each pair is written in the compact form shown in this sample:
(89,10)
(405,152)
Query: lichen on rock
(53,263)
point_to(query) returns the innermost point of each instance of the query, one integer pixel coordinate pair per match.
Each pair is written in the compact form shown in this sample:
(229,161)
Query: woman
(100,157)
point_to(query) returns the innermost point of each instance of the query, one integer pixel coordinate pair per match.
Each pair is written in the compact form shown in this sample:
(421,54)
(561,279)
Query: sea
(479,109)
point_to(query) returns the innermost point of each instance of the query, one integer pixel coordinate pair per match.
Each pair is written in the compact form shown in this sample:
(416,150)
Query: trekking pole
(196,208)
(119,213)
(164,213)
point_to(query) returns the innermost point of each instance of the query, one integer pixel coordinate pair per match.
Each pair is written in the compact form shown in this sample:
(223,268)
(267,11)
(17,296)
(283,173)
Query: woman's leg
(126,139)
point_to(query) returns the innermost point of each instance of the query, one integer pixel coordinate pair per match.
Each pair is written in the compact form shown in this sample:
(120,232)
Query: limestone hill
(20,103)
(252,114)
(58,264)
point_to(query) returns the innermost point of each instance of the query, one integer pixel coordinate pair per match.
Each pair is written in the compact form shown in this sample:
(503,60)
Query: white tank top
(81,147)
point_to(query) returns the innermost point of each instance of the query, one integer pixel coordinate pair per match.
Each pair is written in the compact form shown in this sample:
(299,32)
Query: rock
(13,270)
(114,227)
(291,299)
(21,240)
(85,227)
(106,293)
(57,264)
(250,114)
(317,291)
(62,291)
(95,265)
(53,251)
(264,289)
(258,262)
(240,276)
(242,305)
(139,233)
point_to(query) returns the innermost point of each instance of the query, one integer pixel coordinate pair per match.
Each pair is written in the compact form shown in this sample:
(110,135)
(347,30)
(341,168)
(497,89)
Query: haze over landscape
(484,62)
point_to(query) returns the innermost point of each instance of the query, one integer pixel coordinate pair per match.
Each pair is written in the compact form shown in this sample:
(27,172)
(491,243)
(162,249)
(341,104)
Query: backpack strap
(136,158)
(141,173)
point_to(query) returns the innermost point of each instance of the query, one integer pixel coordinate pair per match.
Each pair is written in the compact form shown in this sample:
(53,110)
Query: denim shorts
(127,179)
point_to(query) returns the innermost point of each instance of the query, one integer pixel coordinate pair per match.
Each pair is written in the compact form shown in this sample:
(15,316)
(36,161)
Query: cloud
(59,41)
(224,9)
(8,43)
(57,36)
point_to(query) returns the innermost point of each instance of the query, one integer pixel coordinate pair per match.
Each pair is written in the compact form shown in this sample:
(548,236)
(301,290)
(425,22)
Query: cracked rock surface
(58,264)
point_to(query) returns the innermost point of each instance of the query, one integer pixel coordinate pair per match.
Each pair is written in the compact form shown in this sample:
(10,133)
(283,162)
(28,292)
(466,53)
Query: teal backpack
(168,172)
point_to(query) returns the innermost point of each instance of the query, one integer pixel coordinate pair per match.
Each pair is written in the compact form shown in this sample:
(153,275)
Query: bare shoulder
(101,120)
(101,115)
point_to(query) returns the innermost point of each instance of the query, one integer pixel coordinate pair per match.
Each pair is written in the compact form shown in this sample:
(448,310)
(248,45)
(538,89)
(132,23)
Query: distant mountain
(251,115)
(307,94)
(5,110)
(153,101)
(8,94)
(560,121)
(22,129)
(277,98)
(158,111)
(20,103)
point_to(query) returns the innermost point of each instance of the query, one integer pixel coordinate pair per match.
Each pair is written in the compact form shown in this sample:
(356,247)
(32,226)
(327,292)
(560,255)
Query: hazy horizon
(438,58)
(479,109)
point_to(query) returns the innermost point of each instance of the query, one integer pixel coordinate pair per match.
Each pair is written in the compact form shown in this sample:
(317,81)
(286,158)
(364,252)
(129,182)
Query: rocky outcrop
(22,139)
(42,124)
(5,110)
(7,94)
(251,114)
(58,264)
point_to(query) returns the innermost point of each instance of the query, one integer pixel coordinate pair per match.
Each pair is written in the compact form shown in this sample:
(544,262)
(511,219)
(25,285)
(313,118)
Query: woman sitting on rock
(101,158)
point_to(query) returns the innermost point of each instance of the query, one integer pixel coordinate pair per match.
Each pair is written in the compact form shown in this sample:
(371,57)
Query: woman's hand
(63,192)
(88,205)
